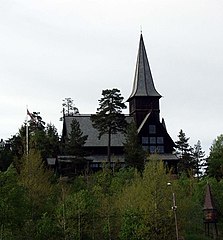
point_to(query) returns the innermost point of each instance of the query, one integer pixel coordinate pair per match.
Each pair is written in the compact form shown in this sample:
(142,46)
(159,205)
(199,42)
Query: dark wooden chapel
(144,109)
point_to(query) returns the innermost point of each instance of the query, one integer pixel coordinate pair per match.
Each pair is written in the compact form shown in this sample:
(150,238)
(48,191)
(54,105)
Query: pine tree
(109,118)
(37,134)
(69,108)
(36,122)
(134,154)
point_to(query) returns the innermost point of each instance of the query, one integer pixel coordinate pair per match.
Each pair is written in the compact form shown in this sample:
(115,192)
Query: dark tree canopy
(35,122)
(184,152)
(5,155)
(182,144)
(17,142)
(109,118)
(109,115)
(52,140)
(41,138)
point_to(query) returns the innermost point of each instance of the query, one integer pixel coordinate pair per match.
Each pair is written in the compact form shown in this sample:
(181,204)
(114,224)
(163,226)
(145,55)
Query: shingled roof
(88,129)
(143,82)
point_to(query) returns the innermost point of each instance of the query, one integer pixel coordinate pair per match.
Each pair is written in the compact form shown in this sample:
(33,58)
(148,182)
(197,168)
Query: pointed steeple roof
(143,82)
(208,202)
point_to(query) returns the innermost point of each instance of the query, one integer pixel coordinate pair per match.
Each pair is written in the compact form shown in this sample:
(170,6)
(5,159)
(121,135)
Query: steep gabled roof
(143,82)
(160,125)
(87,128)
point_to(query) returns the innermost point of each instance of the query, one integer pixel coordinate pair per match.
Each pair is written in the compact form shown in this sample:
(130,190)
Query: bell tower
(144,97)
(145,109)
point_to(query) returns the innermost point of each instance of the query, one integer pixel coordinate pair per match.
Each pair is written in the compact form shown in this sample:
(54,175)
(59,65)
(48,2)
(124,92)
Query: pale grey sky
(52,49)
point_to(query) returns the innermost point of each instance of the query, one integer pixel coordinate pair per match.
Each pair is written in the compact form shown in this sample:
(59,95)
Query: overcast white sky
(52,49)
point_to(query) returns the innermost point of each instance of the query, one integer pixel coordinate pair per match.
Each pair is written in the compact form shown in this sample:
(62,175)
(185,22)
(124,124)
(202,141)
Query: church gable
(154,137)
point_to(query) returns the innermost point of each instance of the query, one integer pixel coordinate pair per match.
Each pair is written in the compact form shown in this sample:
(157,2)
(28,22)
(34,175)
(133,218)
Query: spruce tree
(184,152)
(198,158)
(74,146)
(76,140)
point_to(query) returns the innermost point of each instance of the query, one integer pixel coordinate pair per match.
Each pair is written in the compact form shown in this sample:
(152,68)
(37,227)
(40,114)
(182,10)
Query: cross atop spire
(143,85)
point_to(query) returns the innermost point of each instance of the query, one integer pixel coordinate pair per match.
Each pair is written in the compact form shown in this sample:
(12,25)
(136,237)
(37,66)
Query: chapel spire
(145,111)
(143,85)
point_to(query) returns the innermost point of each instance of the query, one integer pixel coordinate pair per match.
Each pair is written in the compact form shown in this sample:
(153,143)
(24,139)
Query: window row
(154,149)
(152,140)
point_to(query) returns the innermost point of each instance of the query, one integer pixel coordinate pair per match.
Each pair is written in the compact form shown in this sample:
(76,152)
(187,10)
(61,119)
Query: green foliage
(14,209)
(105,205)
(101,182)
(146,196)
(134,154)
(47,228)
(120,179)
(35,178)
(132,225)
(215,160)
(75,211)
(190,200)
